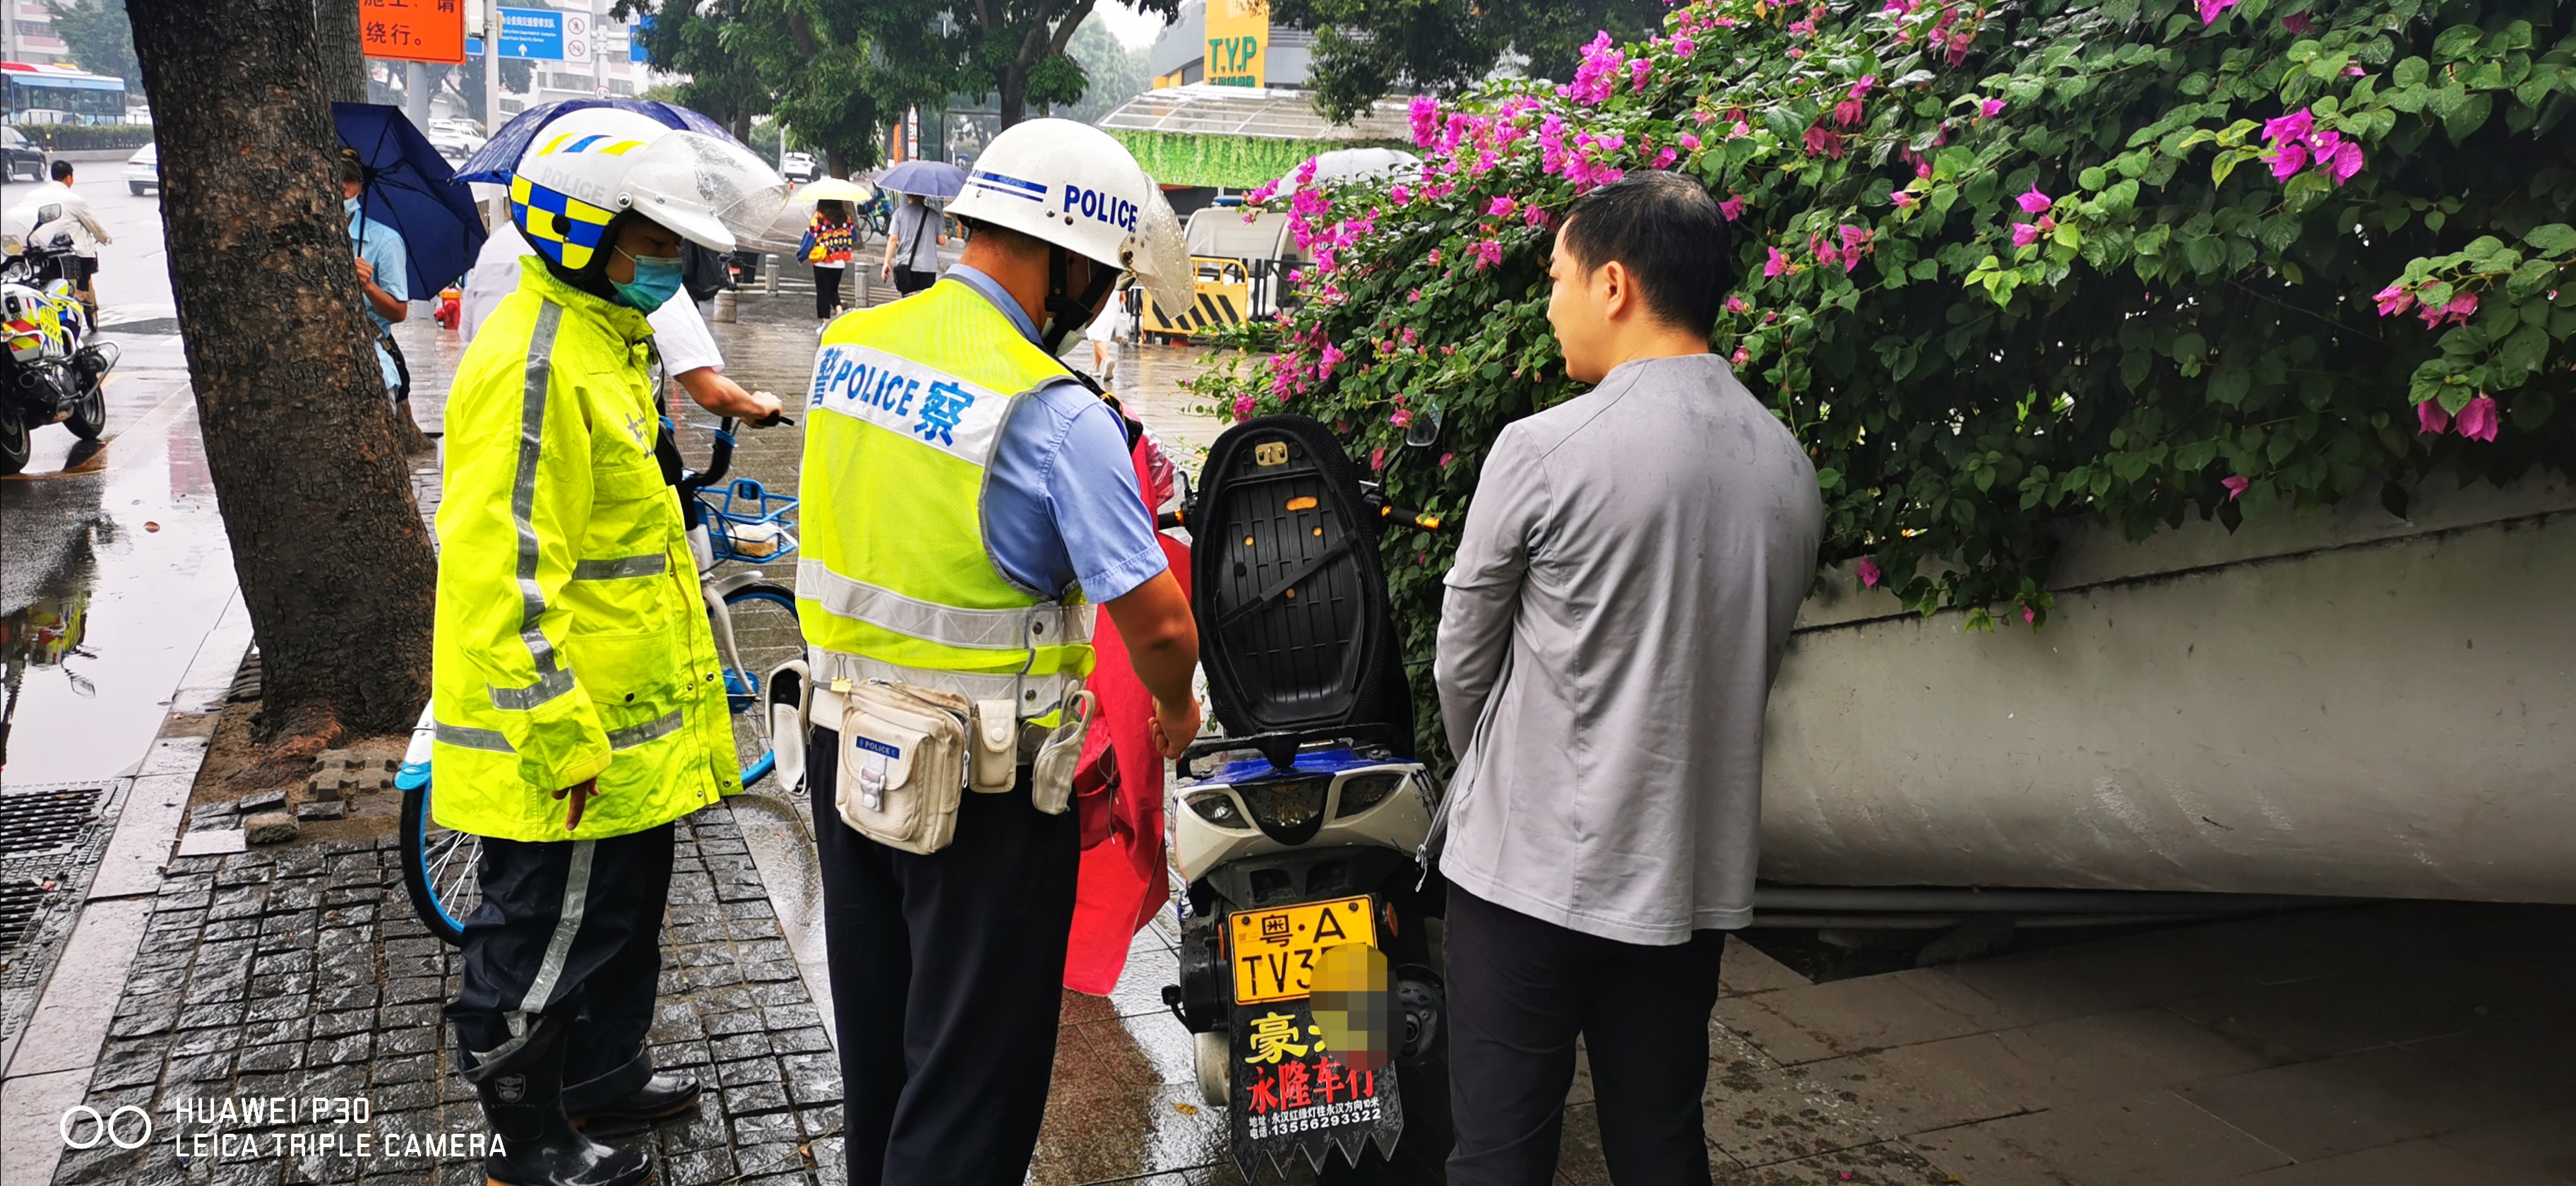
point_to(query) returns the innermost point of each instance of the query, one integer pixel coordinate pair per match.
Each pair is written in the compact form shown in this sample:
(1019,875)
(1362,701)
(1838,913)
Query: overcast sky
(1131,27)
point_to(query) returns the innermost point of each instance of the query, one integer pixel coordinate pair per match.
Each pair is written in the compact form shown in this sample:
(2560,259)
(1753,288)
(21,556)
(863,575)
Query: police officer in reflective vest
(965,499)
(576,692)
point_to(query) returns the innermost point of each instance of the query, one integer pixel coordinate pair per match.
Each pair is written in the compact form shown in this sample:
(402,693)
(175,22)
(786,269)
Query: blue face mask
(657,277)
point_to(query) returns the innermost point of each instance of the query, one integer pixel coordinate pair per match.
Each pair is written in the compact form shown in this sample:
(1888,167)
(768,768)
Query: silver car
(143,170)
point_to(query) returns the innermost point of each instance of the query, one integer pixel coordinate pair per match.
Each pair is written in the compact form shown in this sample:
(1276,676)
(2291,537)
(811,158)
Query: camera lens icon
(112,1128)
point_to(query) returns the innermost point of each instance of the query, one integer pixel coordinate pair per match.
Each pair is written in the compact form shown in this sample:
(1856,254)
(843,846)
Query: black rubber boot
(522,1095)
(634,1093)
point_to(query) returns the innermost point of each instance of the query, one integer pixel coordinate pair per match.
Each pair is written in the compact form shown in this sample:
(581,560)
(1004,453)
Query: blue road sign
(534,33)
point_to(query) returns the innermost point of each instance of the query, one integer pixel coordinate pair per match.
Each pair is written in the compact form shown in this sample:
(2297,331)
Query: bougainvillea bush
(2004,267)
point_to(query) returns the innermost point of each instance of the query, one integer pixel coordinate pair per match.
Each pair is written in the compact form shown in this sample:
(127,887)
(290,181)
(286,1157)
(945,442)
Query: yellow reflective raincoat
(572,637)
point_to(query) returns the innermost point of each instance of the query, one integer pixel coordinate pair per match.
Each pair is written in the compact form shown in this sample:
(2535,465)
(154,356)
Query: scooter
(1308,973)
(48,372)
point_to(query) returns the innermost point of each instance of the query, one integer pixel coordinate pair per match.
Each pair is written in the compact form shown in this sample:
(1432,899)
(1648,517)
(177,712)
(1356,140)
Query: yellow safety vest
(572,639)
(896,582)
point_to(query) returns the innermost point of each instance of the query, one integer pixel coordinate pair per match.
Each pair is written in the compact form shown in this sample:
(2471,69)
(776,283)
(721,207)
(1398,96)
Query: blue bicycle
(757,640)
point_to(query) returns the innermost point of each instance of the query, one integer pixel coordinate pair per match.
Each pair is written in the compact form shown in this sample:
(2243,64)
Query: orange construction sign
(413,30)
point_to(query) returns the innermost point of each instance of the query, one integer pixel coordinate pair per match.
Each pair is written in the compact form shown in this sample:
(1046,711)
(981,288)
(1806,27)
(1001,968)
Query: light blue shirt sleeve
(1061,507)
(382,247)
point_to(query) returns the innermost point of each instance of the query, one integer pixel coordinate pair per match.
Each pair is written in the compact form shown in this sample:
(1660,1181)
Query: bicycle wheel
(764,635)
(443,869)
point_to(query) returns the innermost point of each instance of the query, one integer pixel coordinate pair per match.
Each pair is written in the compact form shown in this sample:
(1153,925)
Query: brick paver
(302,972)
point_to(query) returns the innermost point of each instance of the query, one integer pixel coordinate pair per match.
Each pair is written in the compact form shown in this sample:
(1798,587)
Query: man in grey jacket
(1624,588)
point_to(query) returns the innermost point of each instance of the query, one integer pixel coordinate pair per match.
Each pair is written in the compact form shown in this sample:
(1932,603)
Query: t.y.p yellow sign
(1238,41)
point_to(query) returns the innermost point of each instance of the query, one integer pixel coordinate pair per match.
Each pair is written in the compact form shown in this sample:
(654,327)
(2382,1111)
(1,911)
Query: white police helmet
(590,165)
(1072,185)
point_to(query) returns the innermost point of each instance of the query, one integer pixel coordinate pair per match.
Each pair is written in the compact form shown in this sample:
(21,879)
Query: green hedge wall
(76,137)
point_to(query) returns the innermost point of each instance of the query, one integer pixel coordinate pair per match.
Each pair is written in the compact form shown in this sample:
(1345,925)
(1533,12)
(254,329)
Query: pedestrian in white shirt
(1623,592)
(87,234)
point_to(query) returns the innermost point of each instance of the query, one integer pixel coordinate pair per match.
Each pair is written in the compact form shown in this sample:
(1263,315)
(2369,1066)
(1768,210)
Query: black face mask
(1067,312)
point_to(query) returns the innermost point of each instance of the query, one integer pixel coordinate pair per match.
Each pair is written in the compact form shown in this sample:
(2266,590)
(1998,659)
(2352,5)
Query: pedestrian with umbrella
(919,229)
(831,237)
(412,227)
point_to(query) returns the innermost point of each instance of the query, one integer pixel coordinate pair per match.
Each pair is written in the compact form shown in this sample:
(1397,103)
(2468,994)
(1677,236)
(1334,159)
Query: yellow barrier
(1221,296)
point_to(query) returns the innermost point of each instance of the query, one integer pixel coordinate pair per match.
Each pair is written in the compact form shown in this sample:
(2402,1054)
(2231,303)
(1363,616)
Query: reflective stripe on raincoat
(572,637)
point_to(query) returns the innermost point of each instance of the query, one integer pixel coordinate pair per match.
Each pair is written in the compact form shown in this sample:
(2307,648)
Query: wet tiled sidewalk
(302,972)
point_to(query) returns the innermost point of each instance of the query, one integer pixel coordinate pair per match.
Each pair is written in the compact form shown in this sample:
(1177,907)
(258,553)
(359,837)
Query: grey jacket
(1624,588)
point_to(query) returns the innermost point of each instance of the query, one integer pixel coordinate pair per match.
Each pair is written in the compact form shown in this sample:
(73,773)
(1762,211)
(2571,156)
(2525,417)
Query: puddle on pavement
(104,600)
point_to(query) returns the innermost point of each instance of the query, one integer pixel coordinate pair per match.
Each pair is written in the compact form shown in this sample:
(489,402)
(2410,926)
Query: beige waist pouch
(1051,772)
(904,763)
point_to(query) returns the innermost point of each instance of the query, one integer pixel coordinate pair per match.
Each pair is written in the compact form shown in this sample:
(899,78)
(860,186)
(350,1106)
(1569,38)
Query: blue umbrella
(930,179)
(499,157)
(410,188)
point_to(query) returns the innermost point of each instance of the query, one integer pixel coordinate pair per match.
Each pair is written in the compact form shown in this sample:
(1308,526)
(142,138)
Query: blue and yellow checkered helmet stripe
(561,227)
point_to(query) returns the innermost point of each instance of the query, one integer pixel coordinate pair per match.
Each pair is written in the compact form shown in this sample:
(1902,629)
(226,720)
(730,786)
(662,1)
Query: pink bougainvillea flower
(1735,304)
(1900,7)
(1822,140)
(1991,108)
(1243,407)
(1332,355)
(1637,71)
(2298,22)
(1741,356)
(1923,170)
(2354,71)
(1861,88)
(1665,159)
(1501,207)
(2297,125)
(2478,421)
(1732,207)
(1777,266)
(2034,202)
(1399,195)
(1903,200)
(1690,140)
(2210,10)
(2029,615)
(2287,160)
(1826,251)
(1446,458)
(1377,458)
(1425,116)
(1487,253)
(2462,307)
(1869,573)
(2024,234)
(1400,417)
(2236,485)
(1848,112)
(2343,161)
(1684,47)
(2431,418)
(1536,216)
(2393,300)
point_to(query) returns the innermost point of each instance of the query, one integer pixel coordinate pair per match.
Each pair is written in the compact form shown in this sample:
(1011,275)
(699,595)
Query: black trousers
(911,280)
(1520,990)
(946,984)
(569,930)
(827,289)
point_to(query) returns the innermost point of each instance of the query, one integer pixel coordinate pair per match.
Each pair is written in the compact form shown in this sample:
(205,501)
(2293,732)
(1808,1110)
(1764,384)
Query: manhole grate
(20,899)
(45,821)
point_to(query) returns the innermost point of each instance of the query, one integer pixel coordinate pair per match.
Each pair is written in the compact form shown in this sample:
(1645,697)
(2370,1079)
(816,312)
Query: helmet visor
(1159,255)
(709,191)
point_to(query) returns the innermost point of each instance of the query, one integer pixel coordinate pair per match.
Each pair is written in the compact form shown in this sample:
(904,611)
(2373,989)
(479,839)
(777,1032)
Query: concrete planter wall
(2341,703)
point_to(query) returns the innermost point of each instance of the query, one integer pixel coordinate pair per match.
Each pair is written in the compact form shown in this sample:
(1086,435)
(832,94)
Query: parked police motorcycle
(1297,829)
(49,372)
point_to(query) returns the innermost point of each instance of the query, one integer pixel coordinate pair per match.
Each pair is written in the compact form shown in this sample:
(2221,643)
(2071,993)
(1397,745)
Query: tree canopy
(1366,50)
(2005,268)
(100,38)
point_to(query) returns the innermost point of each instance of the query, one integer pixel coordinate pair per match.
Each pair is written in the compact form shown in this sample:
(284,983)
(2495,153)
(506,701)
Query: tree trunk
(344,56)
(334,563)
(1011,96)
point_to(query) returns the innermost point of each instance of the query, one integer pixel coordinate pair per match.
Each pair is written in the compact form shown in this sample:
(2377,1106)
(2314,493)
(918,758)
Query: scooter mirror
(1424,430)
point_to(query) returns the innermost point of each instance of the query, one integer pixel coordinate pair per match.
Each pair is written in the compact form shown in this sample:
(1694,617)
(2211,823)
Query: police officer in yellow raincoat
(578,696)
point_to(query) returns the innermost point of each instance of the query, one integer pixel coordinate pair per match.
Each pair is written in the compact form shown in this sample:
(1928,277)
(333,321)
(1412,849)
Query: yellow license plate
(1275,950)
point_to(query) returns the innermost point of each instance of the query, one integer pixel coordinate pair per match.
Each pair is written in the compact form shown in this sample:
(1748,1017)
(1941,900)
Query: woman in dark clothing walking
(829,239)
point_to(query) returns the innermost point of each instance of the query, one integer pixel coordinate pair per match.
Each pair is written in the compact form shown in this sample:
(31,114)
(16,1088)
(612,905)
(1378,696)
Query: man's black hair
(1671,236)
(350,167)
(62,170)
